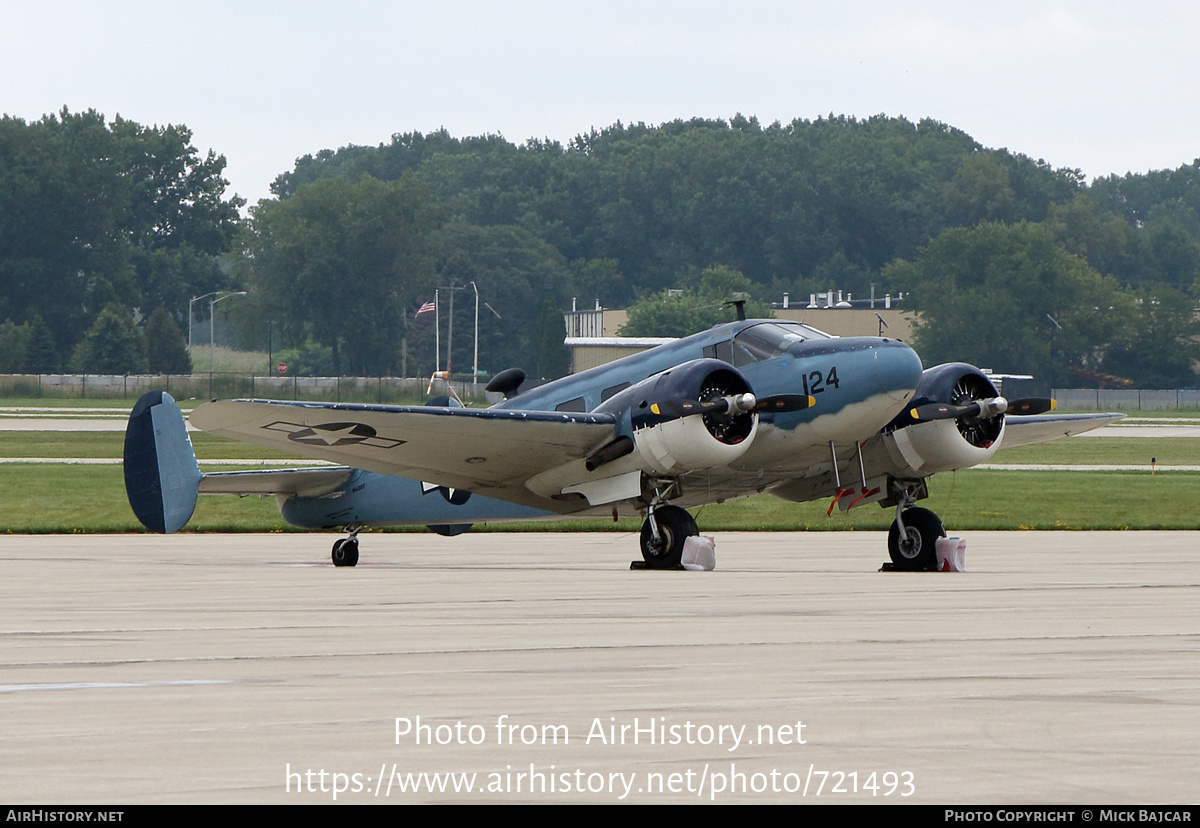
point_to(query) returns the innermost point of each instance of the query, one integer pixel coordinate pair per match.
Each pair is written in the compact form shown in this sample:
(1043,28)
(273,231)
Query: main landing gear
(663,533)
(912,540)
(345,550)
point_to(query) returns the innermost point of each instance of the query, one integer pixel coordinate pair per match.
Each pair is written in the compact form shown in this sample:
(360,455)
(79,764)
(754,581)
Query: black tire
(674,526)
(919,554)
(345,552)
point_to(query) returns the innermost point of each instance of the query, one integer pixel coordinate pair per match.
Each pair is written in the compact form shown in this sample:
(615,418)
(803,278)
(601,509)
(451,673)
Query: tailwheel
(345,552)
(674,526)
(916,550)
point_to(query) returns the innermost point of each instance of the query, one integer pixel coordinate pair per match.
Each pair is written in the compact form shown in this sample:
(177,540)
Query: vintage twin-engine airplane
(746,407)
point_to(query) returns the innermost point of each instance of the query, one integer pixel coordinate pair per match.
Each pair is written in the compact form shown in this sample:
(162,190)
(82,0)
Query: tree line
(1013,264)
(106,229)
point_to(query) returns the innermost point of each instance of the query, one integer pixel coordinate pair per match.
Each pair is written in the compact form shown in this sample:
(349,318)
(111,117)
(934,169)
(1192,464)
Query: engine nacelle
(670,444)
(687,445)
(945,445)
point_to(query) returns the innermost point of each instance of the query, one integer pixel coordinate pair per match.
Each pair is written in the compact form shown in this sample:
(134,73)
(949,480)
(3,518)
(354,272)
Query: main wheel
(345,552)
(916,550)
(674,527)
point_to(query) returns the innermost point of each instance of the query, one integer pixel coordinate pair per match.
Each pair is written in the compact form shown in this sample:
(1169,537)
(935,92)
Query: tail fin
(161,474)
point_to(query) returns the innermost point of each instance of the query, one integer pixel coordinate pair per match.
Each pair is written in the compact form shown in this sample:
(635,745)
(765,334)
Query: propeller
(984,409)
(734,404)
(1031,405)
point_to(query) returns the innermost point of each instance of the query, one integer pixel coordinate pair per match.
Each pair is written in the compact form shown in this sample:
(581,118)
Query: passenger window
(612,389)
(721,350)
(571,405)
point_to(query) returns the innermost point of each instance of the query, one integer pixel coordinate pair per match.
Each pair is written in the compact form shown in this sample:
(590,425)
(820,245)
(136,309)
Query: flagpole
(437,327)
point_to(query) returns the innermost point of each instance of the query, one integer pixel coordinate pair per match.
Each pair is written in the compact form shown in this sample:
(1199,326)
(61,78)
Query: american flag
(428,307)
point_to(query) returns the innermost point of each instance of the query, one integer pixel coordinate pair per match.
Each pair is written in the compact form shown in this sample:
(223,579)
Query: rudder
(161,473)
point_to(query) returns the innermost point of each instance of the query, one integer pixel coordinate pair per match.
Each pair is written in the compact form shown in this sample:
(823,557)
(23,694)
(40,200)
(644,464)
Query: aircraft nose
(899,369)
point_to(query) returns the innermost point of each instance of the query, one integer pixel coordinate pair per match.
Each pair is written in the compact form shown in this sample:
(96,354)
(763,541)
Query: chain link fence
(230,386)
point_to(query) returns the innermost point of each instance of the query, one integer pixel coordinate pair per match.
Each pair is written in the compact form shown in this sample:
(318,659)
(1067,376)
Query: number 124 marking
(815,382)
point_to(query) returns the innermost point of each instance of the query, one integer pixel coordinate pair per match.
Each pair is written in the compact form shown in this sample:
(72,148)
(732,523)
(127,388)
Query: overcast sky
(1102,86)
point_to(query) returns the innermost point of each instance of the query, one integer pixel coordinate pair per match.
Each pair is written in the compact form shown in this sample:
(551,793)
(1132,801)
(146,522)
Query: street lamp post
(212,344)
(475,364)
(191,302)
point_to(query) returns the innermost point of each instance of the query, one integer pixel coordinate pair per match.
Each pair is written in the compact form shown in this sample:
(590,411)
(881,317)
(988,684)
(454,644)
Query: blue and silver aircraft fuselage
(747,407)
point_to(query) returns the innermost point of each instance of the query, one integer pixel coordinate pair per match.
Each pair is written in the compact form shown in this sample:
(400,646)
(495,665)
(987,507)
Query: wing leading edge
(1042,428)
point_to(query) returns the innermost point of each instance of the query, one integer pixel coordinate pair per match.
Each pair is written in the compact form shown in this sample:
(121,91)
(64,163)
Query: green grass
(115,403)
(1180,451)
(1142,414)
(977,499)
(227,360)
(65,498)
(111,444)
(54,498)
(1176,451)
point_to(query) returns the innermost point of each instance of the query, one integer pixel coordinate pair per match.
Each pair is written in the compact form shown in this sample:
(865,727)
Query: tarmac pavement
(1061,667)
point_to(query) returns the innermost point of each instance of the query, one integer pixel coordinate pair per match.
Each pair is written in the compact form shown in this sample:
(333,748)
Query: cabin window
(721,350)
(571,405)
(611,390)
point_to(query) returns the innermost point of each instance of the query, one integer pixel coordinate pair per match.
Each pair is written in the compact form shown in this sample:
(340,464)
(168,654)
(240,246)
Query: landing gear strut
(663,534)
(345,550)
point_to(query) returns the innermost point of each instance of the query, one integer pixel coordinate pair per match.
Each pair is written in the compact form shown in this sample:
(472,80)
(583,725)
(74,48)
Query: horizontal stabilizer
(287,482)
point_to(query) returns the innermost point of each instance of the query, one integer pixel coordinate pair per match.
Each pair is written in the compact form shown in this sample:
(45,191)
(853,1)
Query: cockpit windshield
(770,339)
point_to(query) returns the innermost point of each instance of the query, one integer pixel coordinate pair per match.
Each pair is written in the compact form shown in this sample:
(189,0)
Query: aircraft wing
(1042,428)
(484,450)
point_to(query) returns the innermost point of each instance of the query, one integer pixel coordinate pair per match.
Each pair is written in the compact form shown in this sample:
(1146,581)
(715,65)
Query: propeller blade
(686,408)
(942,411)
(1031,405)
(736,404)
(786,402)
(984,409)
